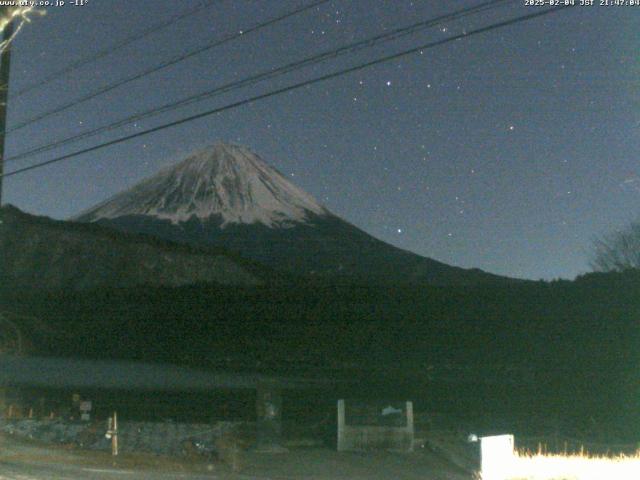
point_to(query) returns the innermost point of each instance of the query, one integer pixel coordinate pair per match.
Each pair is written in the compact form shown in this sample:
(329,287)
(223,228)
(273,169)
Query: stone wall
(161,438)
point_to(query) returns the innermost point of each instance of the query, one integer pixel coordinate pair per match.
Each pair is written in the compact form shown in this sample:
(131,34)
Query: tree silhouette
(618,251)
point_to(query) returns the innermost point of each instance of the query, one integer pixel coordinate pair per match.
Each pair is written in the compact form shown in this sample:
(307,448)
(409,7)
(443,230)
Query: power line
(268,74)
(164,65)
(295,86)
(115,47)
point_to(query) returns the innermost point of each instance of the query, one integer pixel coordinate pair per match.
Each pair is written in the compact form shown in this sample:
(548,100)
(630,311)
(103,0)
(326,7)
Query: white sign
(497,457)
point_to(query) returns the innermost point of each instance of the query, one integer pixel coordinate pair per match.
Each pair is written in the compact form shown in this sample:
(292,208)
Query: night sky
(507,151)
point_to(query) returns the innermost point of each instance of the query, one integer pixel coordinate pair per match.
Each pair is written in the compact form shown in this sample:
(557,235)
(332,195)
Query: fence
(365,426)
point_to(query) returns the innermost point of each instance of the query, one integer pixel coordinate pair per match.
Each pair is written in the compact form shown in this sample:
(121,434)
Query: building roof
(130,375)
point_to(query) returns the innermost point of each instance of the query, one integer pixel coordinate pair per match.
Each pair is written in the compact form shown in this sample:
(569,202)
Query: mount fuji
(227,196)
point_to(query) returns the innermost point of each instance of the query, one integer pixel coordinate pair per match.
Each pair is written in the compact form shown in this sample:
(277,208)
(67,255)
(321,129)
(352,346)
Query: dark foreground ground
(21,460)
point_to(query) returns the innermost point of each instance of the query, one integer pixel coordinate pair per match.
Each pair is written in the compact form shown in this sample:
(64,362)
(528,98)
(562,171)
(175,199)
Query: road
(26,471)
(30,461)
(26,460)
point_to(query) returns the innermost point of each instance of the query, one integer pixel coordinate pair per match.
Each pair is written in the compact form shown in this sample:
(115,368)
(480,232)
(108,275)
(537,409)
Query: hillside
(40,253)
(546,349)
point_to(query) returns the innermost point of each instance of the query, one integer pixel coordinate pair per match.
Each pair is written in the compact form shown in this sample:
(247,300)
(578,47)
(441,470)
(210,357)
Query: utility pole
(5,63)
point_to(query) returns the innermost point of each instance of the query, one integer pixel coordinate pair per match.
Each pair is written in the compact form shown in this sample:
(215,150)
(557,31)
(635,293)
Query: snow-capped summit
(224,181)
(226,196)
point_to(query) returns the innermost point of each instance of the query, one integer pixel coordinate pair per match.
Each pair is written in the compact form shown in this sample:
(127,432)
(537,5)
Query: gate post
(269,418)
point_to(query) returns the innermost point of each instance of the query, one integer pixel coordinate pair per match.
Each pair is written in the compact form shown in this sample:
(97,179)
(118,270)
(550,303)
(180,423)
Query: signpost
(269,421)
(112,433)
(85,409)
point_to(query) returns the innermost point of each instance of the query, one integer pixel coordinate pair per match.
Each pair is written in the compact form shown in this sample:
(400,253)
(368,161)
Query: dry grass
(538,466)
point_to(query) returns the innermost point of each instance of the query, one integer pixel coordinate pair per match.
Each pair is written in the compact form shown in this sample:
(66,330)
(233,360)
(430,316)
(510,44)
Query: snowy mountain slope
(225,181)
(226,196)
